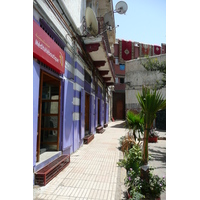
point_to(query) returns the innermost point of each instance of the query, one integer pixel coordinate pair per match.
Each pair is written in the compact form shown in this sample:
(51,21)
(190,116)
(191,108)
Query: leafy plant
(135,195)
(156,185)
(132,158)
(137,186)
(153,133)
(134,122)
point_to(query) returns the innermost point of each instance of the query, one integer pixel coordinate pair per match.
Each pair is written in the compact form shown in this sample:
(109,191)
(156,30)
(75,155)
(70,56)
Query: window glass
(121,80)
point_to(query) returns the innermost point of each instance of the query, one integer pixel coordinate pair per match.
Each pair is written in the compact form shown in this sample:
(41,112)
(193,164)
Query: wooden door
(49,114)
(87,105)
(119,110)
(82,121)
(98,121)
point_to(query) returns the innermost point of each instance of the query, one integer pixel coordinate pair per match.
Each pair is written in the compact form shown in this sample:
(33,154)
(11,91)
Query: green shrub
(135,122)
(132,159)
(137,186)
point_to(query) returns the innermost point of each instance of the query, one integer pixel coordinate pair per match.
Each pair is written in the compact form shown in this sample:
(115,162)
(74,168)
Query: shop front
(48,68)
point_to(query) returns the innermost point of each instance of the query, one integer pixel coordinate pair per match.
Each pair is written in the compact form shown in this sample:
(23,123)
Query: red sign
(46,50)
(157,50)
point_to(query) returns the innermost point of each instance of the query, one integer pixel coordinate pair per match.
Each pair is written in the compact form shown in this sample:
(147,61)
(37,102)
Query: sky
(144,21)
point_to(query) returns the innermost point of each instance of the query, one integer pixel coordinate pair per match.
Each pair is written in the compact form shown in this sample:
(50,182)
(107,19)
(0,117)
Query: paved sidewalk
(92,172)
(158,161)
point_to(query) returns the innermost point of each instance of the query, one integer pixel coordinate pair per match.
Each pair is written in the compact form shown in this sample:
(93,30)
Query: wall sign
(46,50)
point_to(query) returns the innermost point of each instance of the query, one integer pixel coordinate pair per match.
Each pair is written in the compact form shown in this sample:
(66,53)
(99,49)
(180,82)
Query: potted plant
(153,135)
(139,188)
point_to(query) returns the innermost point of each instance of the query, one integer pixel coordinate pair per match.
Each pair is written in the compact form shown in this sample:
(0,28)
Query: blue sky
(144,21)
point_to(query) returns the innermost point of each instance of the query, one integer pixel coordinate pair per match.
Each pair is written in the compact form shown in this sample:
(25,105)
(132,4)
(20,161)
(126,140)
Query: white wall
(76,10)
(136,76)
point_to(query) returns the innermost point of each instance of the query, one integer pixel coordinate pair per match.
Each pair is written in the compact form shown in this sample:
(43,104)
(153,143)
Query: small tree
(151,101)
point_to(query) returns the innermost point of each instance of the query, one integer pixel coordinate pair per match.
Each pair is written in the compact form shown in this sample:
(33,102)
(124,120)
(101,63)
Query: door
(49,114)
(92,114)
(120,110)
(87,114)
(99,119)
(82,126)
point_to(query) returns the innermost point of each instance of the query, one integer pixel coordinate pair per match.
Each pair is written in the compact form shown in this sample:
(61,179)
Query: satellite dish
(108,20)
(121,7)
(91,21)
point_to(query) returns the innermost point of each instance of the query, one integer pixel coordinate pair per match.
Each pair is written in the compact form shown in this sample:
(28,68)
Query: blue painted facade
(72,105)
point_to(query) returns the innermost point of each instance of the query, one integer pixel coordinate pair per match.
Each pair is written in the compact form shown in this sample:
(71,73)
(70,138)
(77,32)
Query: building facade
(126,51)
(136,76)
(72,76)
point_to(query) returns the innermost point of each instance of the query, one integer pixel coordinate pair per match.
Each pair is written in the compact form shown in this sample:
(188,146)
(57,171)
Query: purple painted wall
(69,60)
(68,118)
(87,87)
(36,83)
(76,135)
(80,69)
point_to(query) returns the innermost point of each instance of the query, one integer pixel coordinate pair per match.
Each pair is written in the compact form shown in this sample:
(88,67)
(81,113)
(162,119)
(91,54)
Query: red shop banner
(46,50)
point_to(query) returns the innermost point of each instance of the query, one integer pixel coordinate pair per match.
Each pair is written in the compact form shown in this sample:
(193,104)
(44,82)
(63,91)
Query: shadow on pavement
(157,154)
(121,125)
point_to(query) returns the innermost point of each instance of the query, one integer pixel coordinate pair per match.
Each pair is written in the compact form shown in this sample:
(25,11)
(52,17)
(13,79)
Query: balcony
(99,50)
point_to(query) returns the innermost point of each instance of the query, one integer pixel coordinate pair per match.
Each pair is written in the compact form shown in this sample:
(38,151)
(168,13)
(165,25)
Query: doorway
(120,110)
(99,121)
(87,113)
(49,114)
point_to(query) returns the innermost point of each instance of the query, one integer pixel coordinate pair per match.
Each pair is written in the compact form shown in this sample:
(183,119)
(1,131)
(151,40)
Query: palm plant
(134,122)
(151,101)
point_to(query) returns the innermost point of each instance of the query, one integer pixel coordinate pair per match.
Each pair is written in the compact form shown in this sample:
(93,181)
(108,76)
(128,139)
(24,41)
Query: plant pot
(153,139)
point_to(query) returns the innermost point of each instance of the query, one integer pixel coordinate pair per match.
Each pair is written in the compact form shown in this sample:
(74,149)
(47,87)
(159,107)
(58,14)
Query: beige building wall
(136,76)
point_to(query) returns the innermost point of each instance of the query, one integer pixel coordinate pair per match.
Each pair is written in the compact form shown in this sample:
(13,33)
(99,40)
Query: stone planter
(87,139)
